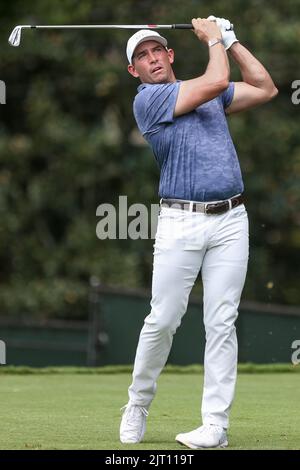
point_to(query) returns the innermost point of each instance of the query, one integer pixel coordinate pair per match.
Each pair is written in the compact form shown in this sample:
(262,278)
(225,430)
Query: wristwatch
(214,41)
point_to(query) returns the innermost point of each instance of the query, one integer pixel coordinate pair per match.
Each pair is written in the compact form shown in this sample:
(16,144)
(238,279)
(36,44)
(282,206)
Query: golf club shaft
(15,37)
(113,26)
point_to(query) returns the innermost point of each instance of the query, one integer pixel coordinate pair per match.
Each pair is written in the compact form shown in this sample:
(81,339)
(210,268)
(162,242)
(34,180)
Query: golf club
(15,37)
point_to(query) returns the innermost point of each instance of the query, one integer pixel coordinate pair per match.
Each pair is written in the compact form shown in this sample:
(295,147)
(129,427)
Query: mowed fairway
(82,411)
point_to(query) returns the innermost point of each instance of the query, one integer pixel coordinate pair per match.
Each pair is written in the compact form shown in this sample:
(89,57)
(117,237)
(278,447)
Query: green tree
(68,142)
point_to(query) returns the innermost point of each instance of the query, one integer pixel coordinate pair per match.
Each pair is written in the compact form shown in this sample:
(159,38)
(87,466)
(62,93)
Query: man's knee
(165,322)
(220,329)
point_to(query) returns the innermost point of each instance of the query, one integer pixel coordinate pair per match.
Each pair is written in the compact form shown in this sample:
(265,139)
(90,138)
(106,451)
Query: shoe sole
(191,446)
(129,442)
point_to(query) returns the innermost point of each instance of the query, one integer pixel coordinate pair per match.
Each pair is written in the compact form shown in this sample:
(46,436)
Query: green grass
(81,411)
(245,368)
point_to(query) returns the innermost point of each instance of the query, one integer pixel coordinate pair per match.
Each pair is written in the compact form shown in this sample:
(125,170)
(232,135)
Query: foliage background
(68,143)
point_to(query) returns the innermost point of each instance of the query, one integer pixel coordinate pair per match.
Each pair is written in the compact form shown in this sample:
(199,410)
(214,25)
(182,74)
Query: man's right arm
(193,93)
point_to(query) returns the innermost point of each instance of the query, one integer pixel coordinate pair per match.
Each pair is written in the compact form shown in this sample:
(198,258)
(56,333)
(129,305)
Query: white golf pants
(185,243)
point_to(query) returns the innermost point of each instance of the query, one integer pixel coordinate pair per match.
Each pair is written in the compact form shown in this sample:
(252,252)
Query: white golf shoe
(133,424)
(209,435)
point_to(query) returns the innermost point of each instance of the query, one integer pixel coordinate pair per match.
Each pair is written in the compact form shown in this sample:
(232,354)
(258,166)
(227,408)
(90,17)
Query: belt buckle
(206,208)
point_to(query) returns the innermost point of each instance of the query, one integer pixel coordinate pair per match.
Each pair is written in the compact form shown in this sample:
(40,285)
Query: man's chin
(161,78)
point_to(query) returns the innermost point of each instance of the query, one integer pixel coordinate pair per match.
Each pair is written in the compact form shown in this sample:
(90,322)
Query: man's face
(152,63)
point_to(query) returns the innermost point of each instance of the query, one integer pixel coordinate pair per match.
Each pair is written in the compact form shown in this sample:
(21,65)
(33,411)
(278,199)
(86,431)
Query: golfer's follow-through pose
(202,223)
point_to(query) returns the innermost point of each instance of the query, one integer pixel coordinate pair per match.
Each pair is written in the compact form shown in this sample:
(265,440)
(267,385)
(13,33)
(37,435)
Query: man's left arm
(257,86)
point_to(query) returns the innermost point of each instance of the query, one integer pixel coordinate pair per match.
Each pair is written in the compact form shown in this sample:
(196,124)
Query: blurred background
(69,142)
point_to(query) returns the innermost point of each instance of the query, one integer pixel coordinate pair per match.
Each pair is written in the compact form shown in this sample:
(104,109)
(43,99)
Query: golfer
(203,222)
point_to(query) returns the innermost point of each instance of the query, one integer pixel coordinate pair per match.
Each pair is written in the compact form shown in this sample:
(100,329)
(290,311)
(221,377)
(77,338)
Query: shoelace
(210,427)
(140,408)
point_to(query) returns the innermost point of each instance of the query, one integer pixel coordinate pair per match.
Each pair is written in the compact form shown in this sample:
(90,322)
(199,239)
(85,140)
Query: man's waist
(215,207)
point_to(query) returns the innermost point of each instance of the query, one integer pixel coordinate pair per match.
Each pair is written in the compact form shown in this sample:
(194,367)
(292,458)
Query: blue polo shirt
(194,151)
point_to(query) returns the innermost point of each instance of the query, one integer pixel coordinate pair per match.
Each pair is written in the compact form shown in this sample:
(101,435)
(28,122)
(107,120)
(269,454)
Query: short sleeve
(154,105)
(227,95)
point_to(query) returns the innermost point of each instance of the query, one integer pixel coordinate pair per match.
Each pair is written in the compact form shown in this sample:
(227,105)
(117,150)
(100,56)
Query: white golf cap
(141,36)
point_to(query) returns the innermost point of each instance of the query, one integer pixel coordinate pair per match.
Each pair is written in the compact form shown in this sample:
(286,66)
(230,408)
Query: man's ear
(132,71)
(171,55)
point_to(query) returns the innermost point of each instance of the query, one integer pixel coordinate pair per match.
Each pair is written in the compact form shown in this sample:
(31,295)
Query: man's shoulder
(148,91)
(144,89)
(154,105)
(144,86)
(145,93)
(151,87)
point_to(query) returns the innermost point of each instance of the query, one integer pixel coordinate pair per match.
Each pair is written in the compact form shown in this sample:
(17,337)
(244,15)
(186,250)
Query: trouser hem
(223,424)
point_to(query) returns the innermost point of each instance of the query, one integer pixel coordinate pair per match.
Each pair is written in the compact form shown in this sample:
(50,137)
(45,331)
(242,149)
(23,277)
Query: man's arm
(193,93)
(257,86)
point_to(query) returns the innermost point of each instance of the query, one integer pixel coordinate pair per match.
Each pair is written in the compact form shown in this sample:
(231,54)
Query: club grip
(183,26)
(190,26)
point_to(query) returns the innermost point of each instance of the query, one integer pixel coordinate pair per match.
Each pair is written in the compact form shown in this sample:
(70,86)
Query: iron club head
(15,37)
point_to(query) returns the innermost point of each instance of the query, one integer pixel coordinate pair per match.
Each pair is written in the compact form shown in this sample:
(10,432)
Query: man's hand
(206,30)
(228,36)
